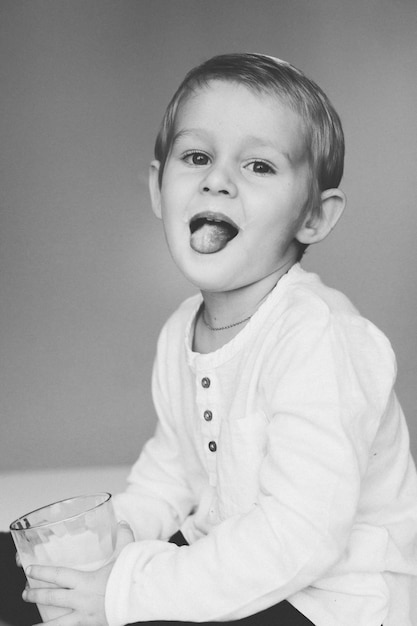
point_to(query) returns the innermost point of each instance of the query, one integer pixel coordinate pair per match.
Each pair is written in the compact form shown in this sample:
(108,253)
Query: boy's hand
(81,592)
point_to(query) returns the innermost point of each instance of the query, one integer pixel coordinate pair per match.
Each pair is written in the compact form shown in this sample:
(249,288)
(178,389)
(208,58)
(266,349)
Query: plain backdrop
(85,278)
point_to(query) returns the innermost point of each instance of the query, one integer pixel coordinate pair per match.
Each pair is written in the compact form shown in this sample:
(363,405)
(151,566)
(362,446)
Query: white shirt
(284,459)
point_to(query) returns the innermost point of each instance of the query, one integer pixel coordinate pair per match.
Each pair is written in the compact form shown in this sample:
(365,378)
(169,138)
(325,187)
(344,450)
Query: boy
(281,452)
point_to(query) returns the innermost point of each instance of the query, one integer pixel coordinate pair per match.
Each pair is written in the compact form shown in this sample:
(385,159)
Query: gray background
(85,278)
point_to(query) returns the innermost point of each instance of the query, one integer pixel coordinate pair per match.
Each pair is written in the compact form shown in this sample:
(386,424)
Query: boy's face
(234,187)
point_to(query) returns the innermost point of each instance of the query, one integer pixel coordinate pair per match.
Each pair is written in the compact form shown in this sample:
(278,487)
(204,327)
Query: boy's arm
(159,495)
(322,427)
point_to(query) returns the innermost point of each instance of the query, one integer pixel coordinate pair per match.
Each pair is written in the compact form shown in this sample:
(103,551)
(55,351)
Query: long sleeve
(307,415)
(158,497)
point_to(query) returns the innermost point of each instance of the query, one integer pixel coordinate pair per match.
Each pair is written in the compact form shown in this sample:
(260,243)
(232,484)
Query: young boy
(281,453)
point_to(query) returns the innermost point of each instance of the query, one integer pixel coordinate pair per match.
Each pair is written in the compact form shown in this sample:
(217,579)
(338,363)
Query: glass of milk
(78,532)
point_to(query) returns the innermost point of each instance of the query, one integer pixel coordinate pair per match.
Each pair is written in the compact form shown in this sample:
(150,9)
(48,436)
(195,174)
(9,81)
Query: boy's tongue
(210,237)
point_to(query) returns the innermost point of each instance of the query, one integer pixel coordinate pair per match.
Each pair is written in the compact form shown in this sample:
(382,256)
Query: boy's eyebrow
(187,131)
(259,142)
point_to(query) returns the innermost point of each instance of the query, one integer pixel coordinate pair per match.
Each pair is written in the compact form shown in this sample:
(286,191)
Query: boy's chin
(228,281)
(211,281)
(210,271)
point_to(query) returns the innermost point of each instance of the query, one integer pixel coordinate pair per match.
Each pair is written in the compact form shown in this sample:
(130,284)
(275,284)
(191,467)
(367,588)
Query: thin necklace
(215,328)
(203,317)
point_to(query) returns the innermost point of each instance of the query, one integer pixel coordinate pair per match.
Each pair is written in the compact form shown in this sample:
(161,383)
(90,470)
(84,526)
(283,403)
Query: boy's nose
(218,181)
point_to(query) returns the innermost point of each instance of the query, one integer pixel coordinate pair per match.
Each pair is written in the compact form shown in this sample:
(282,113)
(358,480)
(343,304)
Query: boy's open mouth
(211,232)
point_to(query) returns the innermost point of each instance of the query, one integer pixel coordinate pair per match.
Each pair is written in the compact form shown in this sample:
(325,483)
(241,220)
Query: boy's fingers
(124,536)
(70,619)
(64,620)
(18,561)
(49,596)
(59,576)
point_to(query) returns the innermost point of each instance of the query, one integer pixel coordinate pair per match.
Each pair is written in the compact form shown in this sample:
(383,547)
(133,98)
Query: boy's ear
(318,224)
(154,189)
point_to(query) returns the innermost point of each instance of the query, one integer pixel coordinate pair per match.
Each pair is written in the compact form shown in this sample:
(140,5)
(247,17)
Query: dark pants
(16,612)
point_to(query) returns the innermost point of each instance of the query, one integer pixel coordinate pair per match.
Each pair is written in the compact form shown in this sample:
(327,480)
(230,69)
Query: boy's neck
(224,314)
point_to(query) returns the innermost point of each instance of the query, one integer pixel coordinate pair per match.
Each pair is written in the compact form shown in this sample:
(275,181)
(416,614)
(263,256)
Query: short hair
(264,74)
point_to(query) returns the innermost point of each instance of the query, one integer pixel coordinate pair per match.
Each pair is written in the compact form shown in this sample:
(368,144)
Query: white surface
(21,492)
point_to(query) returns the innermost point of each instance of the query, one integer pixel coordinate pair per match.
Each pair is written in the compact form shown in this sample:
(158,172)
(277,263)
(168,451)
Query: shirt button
(205,382)
(208,416)
(212,446)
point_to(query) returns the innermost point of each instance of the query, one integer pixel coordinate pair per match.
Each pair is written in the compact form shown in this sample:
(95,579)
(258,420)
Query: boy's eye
(196,158)
(260,167)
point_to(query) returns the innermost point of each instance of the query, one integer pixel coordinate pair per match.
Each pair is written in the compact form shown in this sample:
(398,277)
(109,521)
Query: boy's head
(324,138)
(248,158)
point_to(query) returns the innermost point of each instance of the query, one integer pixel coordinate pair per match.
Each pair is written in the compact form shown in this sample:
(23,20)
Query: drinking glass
(79,532)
